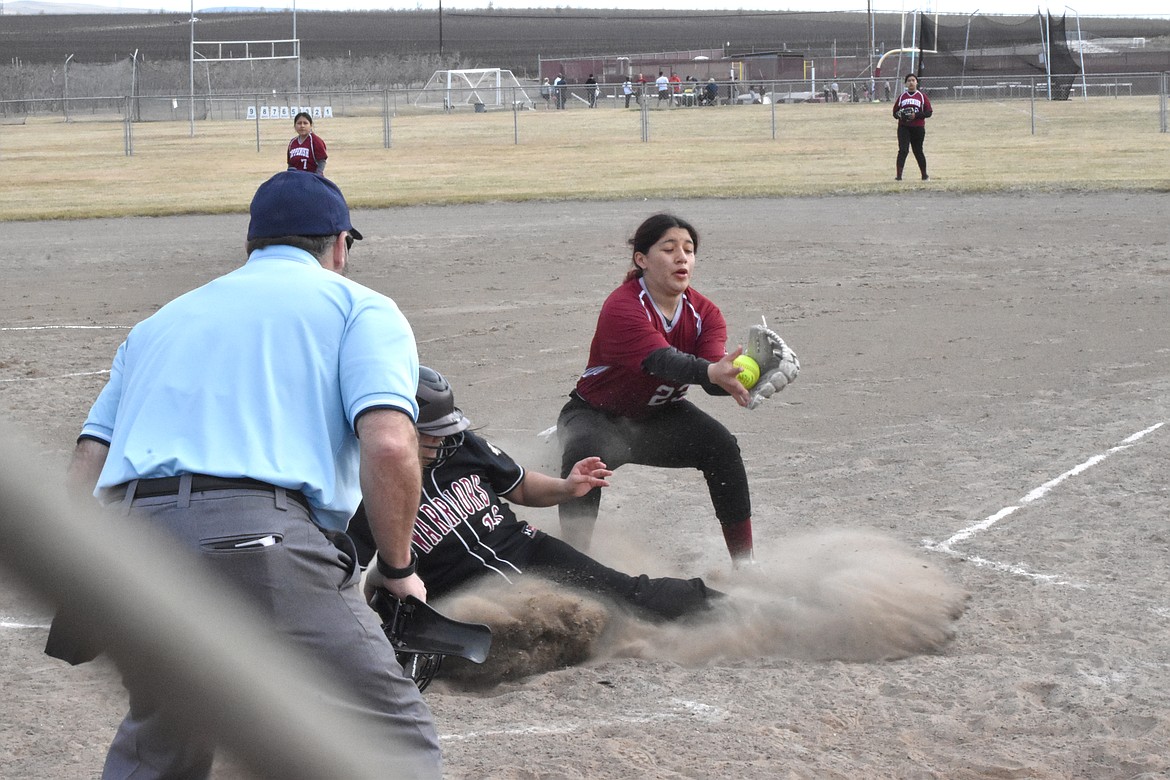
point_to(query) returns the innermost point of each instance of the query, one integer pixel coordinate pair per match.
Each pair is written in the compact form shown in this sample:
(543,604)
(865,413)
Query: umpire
(248,417)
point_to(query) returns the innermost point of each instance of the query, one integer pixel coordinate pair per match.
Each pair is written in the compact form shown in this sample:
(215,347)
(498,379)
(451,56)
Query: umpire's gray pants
(309,588)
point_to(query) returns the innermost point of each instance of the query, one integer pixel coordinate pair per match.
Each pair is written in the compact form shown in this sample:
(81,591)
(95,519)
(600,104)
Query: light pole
(65,97)
(192,63)
(1081,46)
(134,113)
(297,43)
(872,36)
(966,42)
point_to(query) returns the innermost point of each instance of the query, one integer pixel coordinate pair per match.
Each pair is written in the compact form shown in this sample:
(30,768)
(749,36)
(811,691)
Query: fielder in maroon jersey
(306,151)
(655,337)
(912,109)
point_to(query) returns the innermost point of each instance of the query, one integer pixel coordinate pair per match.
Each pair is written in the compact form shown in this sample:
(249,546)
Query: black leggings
(680,435)
(910,137)
(664,597)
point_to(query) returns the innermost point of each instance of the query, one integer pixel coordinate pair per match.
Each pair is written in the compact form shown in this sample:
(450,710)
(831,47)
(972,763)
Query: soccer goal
(481,88)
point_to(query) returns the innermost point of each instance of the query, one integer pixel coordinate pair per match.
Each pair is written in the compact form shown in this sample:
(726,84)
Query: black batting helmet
(437,413)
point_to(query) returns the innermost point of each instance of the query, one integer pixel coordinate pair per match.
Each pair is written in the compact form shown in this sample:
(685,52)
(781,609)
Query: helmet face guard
(445,449)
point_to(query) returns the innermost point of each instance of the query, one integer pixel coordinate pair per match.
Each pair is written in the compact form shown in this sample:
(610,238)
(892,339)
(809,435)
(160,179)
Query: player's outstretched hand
(725,374)
(779,365)
(587,473)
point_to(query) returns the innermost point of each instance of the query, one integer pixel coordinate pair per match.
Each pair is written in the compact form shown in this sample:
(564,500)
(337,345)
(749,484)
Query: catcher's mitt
(778,363)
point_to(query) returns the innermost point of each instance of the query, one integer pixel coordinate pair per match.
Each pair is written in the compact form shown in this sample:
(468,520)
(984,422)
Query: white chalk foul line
(704,712)
(947,547)
(66,327)
(11,623)
(57,376)
(59,327)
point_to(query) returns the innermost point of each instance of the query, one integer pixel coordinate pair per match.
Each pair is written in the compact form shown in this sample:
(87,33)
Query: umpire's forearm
(391,479)
(89,457)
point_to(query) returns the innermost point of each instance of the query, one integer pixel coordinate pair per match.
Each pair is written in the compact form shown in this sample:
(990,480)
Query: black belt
(169,486)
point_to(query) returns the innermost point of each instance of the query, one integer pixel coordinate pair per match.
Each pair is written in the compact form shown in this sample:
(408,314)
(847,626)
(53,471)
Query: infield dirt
(987,372)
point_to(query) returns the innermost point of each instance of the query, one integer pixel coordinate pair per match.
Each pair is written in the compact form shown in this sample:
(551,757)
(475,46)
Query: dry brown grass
(57,170)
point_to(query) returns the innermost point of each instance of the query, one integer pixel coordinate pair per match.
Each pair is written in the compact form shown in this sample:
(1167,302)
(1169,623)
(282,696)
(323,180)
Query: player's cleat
(898,177)
(744,562)
(925,177)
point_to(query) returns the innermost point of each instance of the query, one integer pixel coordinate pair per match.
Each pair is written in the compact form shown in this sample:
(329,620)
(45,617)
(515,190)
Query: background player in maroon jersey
(656,336)
(306,151)
(912,109)
(465,529)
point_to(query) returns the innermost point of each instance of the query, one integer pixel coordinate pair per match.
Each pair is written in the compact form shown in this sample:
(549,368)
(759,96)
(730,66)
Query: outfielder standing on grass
(248,418)
(655,337)
(912,109)
(465,531)
(306,151)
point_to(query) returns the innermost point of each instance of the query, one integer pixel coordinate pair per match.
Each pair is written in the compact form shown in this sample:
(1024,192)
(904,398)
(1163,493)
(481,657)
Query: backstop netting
(984,46)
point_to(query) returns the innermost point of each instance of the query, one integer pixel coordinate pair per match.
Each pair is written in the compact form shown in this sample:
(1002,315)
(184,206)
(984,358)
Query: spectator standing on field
(628,90)
(560,90)
(591,90)
(663,85)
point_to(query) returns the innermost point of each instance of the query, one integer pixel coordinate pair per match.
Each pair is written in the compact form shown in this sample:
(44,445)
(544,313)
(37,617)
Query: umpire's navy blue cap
(299,203)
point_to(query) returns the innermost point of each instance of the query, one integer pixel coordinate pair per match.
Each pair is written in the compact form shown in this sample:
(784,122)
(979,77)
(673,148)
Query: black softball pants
(679,435)
(663,597)
(910,137)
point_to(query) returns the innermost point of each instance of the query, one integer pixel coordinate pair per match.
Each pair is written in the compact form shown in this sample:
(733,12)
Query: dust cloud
(843,595)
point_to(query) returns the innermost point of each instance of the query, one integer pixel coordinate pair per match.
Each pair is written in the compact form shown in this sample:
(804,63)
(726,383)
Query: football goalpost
(478,87)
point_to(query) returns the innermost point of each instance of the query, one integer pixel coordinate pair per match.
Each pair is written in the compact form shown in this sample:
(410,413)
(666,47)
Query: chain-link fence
(265,107)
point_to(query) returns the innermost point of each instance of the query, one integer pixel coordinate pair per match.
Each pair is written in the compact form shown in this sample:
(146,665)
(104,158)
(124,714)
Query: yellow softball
(749,371)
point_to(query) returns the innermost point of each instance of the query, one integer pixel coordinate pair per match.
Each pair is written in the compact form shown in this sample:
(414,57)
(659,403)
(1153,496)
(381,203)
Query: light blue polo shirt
(260,373)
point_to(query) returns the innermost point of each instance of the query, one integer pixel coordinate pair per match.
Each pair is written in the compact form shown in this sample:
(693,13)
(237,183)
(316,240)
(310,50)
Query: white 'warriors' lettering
(424,536)
(469,493)
(443,514)
(439,515)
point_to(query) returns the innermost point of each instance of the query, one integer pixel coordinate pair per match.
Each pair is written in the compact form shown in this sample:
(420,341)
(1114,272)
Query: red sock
(739,539)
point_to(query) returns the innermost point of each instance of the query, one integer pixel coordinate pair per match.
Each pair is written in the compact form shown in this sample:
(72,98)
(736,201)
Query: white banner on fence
(288,112)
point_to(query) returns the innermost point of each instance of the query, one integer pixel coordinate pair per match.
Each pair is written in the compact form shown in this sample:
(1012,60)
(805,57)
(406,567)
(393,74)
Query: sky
(1119,8)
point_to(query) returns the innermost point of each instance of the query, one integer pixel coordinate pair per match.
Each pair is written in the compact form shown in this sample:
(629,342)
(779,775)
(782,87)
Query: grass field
(80,169)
